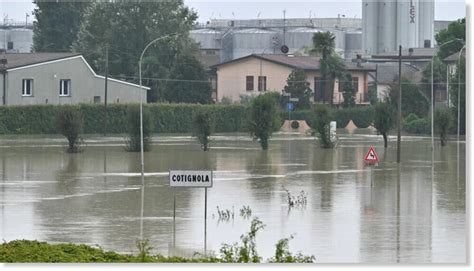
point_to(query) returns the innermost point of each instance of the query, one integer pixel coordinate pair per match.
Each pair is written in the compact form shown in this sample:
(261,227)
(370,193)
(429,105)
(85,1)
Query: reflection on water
(389,214)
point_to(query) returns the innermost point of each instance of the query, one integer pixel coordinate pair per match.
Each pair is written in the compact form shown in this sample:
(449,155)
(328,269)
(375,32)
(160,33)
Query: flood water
(391,214)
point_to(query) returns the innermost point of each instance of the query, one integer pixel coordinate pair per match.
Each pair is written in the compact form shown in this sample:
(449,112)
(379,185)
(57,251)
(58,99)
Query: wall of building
(84,85)
(231,79)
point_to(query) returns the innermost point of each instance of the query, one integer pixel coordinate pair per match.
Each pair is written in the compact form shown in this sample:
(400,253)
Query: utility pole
(399,119)
(105,89)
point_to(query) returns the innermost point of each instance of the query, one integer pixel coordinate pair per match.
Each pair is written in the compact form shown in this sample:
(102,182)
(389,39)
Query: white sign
(190,178)
(294,99)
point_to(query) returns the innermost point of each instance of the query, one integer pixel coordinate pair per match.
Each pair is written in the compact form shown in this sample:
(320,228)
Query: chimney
(359,60)
(410,51)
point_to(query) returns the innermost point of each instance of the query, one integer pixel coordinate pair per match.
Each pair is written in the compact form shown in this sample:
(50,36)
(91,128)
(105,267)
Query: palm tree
(323,45)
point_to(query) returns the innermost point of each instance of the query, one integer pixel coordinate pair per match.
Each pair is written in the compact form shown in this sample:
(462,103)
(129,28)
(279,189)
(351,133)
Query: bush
(203,122)
(418,126)
(443,119)
(69,124)
(134,133)
(322,117)
(361,116)
(263,118)
(385,118)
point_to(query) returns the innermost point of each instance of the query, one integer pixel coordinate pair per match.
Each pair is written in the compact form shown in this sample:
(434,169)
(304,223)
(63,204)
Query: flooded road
(391,214)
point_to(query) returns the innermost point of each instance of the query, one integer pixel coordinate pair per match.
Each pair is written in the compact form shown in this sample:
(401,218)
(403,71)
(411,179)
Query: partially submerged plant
(69,123)
(299,200)
(245,212)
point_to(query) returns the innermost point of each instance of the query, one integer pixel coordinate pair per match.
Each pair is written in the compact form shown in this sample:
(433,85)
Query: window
(210,52)
(65,87)
(262,83)
(10,45)
(318,95)
(97,99)
(249,83)
(355,84)
(27,87)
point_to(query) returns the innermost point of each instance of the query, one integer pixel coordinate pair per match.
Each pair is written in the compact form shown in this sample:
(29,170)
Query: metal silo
(254,41)
(426,26)
(3,38)
(353,44)
(388,18)
(300,37)
(207,38)
(22,40)
(369,26)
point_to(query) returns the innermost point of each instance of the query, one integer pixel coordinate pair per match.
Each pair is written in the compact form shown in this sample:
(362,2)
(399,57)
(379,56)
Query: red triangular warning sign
(371,156)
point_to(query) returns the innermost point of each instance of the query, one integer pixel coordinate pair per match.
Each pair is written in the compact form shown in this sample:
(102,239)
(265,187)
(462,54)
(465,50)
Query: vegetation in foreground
(25,251)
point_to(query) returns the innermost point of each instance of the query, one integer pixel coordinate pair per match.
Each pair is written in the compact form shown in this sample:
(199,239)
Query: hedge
(167,118)
(361,116)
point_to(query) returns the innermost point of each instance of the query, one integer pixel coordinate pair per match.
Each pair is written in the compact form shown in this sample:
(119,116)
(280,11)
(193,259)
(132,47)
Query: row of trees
(124,28)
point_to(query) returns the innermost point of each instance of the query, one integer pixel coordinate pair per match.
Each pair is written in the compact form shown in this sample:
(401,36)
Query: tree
(323,45)
(331,64)
(57,24)
(188,85)
(263,118)
(439,78)
(133,119)
(414,100)
(453,90)
(322,116)
(69,123)
(385,118)
(298,87)
(348,91)
(126,27)
(443,118)
(203,126)
(455,30)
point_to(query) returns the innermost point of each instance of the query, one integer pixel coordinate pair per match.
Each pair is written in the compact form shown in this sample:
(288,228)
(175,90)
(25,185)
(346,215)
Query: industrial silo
(254,41)
(386,24)
(22,40)
(353,44)
(3,38)
(301,37)
(207,38)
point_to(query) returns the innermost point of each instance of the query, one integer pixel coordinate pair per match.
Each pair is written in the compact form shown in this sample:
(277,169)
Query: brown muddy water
(391,214)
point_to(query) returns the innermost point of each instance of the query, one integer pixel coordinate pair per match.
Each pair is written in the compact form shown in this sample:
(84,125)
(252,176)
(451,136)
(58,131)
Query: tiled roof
(388,73)
(299,62)
(417,53)
(454,57)
(16,60)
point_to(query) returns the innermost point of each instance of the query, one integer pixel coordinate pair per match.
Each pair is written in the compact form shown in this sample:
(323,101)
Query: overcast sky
(248,9)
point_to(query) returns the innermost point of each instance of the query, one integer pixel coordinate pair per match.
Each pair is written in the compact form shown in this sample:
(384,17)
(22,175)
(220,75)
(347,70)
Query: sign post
(192,179)
(371,159)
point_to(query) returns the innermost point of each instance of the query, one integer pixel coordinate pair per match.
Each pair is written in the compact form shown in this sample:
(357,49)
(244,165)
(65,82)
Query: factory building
(16,40)
(225,40)
(386,24)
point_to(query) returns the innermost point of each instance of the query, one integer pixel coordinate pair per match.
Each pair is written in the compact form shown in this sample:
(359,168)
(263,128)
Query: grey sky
(247,9)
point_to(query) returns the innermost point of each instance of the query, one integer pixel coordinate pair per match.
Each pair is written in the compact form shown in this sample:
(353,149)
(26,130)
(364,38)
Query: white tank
(386,24)
(369,26)
(22,40)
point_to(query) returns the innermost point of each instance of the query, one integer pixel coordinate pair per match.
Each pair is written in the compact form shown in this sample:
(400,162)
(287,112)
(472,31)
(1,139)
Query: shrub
(384,120)
(322,116)
(203,123)
(418,126)
(226,100)
(133,121)
(263,118)
(69,124)
(443,119)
